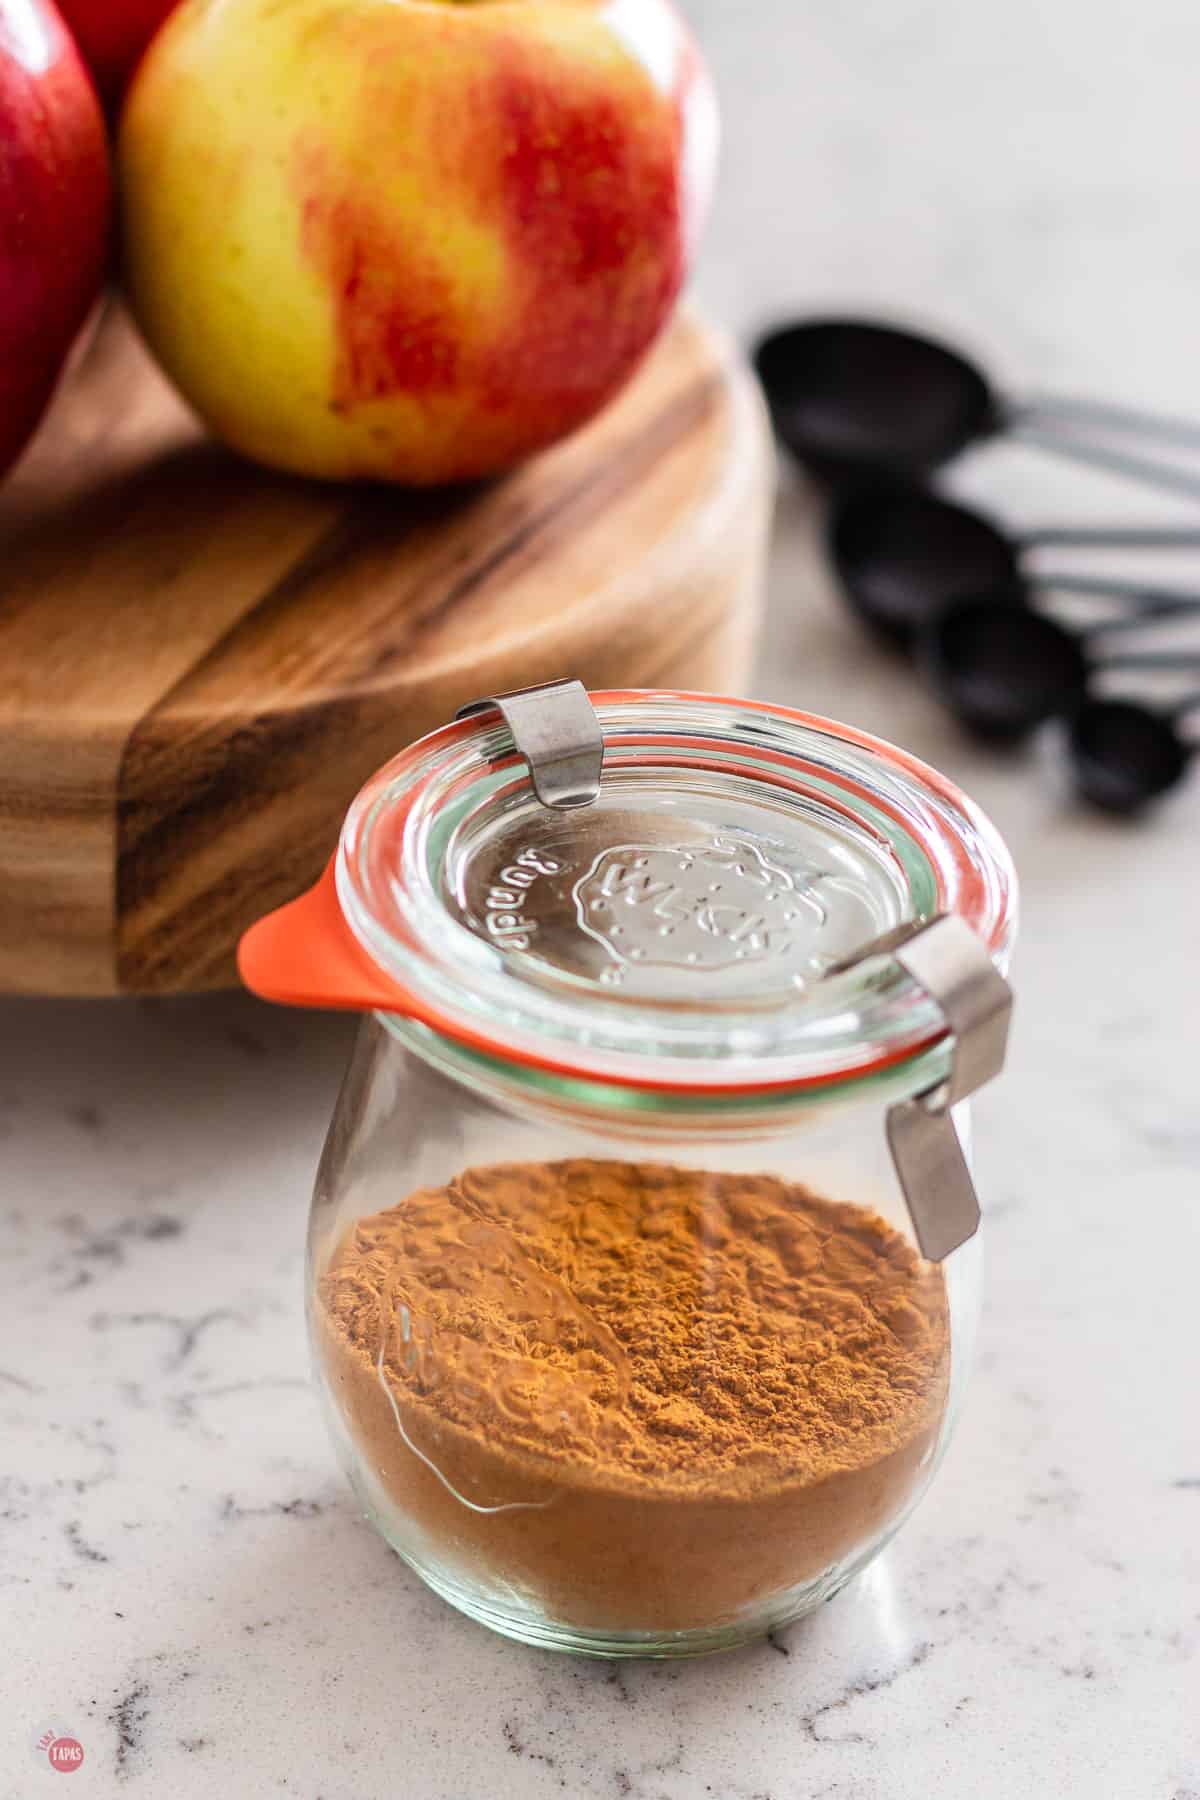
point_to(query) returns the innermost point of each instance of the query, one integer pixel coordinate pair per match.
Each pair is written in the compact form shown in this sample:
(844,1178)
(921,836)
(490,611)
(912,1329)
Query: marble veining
(187,1587)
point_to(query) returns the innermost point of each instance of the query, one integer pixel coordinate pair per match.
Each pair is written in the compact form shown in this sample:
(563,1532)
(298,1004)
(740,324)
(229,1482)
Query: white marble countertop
(188,1589)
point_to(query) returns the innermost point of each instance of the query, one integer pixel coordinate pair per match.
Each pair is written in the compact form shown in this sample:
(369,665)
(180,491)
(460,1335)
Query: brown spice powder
(686,1392)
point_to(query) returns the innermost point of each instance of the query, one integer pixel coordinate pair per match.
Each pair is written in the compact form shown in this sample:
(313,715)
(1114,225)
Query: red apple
(112,35)
(55,207)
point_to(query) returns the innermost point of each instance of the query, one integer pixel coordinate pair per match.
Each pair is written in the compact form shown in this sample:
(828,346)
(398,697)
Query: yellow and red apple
(410,239)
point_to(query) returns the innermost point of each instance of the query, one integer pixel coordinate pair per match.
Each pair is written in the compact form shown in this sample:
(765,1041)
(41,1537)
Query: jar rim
(910,845)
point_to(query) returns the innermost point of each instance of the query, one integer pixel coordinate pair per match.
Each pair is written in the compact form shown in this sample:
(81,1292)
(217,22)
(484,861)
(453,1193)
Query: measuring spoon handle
(1150,602)
(1150,659)
(1053,410)
(1167,478)
(1111,537)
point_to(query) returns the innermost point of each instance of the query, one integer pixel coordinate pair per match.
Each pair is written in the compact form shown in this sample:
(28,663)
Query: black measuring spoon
(853,399)
(1125,754)
(902,554)
(1004,670)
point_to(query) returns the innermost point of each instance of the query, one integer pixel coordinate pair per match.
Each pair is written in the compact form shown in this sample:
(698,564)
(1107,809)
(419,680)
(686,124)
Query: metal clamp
(945,957)
(555,728)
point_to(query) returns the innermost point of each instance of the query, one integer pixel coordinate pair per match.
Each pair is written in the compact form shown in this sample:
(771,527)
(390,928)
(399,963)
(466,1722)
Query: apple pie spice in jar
(643,1257)
(720,1385)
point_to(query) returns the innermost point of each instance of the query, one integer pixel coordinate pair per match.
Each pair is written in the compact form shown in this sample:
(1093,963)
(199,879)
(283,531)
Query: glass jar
(642,1270)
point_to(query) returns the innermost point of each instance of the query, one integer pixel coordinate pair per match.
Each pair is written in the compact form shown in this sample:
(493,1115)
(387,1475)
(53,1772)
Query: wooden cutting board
(201,662)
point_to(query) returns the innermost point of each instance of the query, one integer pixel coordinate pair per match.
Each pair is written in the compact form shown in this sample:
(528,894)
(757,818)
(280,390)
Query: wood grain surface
(201,662)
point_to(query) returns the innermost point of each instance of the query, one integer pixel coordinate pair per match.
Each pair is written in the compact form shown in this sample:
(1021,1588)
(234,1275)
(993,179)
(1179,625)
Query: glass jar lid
(696,924)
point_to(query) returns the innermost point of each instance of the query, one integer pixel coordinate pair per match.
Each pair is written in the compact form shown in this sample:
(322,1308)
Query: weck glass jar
(643,1268)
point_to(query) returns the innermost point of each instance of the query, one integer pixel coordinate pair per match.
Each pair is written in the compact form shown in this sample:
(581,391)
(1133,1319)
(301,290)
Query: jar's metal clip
(946,958)
(555,728)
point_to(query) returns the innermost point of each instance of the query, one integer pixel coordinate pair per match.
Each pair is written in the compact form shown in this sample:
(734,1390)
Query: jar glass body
(625,1381)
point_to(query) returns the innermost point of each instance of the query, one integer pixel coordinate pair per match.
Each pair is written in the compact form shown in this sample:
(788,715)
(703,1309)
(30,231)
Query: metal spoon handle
(1107,415)
(1150,602)
(1149,659)
(1164,476)
(1111,537)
